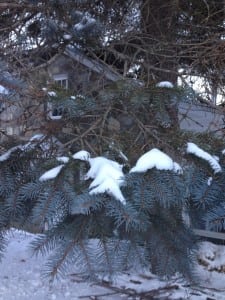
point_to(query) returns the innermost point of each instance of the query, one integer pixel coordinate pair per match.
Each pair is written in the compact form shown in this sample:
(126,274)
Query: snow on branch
(6,155)
(3,90)
(82,155)
(194,149)
(52,94)
(86,22)
(98,163)
(36,140)
(52,173)
(165,84)
(107,175)
(155,159)
(63,159)
(111,187)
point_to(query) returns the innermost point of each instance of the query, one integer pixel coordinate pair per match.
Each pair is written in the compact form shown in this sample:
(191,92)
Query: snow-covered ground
(20,278)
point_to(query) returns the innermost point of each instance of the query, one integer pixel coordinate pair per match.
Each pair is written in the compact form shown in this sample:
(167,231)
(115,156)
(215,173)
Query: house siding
(201,118)
(81,79)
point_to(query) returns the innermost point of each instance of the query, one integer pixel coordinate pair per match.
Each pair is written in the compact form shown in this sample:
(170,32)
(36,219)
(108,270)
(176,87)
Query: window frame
(61,80)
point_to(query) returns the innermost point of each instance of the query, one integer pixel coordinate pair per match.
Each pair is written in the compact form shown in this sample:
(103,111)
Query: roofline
(94,65)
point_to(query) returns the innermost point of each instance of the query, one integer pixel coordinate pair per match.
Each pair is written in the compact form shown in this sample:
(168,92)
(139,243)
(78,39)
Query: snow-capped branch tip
(82,155)
(52,94)
(107,174)
(165,84)
(212,160)
(108,177)
(111,187)
(52,173)
(6,155)
(63,159)
(37,138)
(98,162)
(155,158)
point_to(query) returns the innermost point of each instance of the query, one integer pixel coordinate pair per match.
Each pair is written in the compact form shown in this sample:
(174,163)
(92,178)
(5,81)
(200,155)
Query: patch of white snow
(82,155)
(52,173)
(194,149)
(52,94)
(63,159)
(165,84)
(177,168)
(7,154)
(155,159)
(96,164)
(209,181)
(3,90)
(111,187)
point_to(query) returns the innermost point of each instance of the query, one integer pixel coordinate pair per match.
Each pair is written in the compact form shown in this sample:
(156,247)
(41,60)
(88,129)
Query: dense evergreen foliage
(99,233)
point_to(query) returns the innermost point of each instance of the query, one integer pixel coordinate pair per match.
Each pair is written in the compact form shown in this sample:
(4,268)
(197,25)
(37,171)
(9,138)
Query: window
(61,80)
(54,112)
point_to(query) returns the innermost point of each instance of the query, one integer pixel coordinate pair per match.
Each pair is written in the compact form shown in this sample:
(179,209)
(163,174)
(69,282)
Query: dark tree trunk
(159,24)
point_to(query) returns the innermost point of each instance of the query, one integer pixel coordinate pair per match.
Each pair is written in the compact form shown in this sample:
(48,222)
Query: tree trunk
(159,20)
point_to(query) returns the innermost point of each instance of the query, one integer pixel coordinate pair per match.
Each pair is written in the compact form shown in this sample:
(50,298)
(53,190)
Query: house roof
(93,64)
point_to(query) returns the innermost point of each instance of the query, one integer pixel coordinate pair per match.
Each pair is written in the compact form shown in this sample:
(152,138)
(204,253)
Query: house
(74,70)
(201,117)
(10,109)
(71,70)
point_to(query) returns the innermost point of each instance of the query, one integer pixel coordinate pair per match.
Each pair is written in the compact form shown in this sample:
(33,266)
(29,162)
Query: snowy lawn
(20,278)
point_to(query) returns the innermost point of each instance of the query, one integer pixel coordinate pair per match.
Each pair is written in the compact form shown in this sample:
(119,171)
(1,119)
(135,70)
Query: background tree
(152,35)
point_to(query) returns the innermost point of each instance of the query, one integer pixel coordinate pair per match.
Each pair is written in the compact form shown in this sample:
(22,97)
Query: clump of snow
(107,170)
(3,90)
(155,159)
(86,21)
(194,149)
(52,173)
(209,181)
(177,168)
(42,141)
(7,154)
(55,117)
(111,187)
(82,155)
(37,137)
(107,175)
(52,94)
(67,36)
(165,84)
(63,159)
(216,157)
(98,162)
(34,140)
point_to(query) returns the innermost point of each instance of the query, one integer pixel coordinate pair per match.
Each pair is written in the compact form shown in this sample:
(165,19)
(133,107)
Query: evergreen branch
(85,203)
(90,265)
(84,133)
(128,292)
